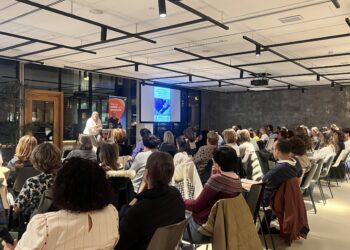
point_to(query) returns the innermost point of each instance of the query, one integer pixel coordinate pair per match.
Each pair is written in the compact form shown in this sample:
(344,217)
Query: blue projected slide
(162,109)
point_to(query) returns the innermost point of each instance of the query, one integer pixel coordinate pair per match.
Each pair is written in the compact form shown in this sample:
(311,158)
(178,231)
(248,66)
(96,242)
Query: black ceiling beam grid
(197,13)
(174,71)
(330,66)
(165,77)
(85,20)
(16,46)
(286,58)
(115,67)
(19,59)
(174,26)
(34,40)
(228,65)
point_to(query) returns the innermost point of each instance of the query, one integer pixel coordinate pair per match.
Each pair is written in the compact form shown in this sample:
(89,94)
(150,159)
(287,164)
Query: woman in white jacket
(186,177)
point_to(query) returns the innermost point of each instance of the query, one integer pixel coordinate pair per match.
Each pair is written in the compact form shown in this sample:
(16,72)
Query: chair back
(269,144)
(254,199)
(341,158)
(327,165)
(319,164)
(168,237)
(22,175)
(309,176)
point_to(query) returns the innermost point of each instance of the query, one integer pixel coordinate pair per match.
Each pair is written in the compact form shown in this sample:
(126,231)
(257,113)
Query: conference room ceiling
(266,22)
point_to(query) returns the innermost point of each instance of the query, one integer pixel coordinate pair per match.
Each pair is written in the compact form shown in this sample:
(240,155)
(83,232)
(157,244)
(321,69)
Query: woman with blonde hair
(168,144)
(119,136)
(230,138)
(24,149)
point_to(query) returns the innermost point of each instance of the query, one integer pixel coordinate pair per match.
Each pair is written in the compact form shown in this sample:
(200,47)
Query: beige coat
(231,226)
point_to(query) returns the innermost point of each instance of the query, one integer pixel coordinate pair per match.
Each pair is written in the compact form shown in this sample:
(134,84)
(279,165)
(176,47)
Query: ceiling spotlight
(332,84)
(347,20)
(241,74)
(336,3)
(318,78)
(162,8)
(257,50)
(190,78)
(220,84)
(103,33)
(136,67)
(86,76)
(341,88)
(289,86)
(302,90)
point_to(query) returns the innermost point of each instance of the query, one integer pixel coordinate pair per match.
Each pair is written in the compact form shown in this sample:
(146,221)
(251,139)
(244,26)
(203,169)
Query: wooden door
(44,115)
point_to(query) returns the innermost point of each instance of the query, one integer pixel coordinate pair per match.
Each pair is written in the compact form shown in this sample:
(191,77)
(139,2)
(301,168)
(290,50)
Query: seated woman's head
(109,154)
(25,147)
(150,141)
(46,157)
(229,135)
(212,138)
(85,143)
(225,158)
(168,137)
(159,170)
(182,144)
(81,186)
(119,135)
(244,135)
(297,146)
(144,132)
(190,134)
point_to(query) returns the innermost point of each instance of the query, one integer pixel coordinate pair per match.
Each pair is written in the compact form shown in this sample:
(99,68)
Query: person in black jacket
(168,144)
(158,205)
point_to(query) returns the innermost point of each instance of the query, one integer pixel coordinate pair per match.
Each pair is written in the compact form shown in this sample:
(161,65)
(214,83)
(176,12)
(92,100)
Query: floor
(329,228)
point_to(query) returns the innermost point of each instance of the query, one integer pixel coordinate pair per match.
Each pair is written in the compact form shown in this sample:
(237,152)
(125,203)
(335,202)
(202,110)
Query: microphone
(6,236)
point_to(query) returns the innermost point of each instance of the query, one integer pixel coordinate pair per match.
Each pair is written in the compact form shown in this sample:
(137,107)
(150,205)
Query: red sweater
(217,187)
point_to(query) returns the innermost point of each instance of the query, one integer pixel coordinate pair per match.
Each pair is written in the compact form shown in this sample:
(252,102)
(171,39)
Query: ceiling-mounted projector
(259,82)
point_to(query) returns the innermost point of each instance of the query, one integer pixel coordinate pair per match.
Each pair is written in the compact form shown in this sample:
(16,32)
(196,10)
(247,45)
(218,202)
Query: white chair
(308,183)
(328,160)
(340,160)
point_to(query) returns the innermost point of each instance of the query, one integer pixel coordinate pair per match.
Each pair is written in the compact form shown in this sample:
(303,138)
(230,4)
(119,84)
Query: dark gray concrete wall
(319,106)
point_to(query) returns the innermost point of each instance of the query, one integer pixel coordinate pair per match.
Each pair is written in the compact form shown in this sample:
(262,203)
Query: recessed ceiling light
(96,11)
(290,19)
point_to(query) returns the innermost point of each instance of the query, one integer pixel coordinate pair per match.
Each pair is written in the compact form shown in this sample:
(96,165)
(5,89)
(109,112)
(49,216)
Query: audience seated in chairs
(85,149)
(119,178)
(24,149)
(205,153)
(84,209)
(186,178)
(190,135)
(168,144)
(157,205)
(224,183)
(150,144)
(230,138)
(285,169)
(46,158)
(139,146)
(120,139)
(246,147)
(21,160)
(326,145)
(298,150)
